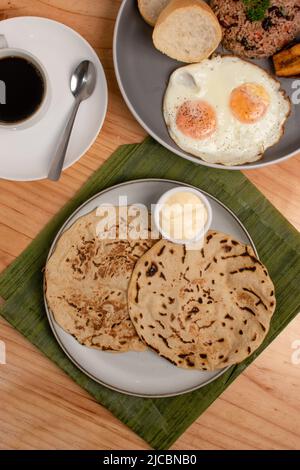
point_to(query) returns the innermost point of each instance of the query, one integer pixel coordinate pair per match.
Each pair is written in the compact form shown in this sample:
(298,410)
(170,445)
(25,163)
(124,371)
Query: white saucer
(26,154)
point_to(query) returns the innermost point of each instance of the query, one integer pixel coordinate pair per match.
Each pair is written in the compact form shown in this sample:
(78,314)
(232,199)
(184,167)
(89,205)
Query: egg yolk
(196,119)
(249,102)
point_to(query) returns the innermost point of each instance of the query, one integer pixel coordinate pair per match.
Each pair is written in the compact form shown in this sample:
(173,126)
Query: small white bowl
(162,200)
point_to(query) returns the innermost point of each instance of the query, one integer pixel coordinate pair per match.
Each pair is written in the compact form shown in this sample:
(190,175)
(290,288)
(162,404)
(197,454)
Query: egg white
(213,80)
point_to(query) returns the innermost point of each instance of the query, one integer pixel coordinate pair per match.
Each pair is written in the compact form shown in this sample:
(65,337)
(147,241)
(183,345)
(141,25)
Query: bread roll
(187,30)
(151,9)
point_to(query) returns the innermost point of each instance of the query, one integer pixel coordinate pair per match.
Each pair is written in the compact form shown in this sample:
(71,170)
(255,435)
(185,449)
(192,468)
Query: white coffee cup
(6,51)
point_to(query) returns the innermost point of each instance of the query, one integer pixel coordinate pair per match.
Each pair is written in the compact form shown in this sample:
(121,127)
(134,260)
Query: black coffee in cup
(23,86)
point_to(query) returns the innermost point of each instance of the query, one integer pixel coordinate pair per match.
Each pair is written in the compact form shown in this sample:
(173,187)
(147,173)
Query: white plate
(144,373)
(25,154)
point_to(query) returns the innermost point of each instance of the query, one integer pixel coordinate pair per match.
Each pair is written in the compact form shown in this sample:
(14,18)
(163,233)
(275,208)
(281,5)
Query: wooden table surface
(40,407)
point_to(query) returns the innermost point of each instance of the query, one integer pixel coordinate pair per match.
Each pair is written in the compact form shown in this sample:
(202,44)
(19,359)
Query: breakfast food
(257,28)
(151,9)
(203,309)
(86,284)
(225,110)
(187,30)
(287,62)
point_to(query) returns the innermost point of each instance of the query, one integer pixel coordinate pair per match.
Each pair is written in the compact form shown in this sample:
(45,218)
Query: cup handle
(3,42)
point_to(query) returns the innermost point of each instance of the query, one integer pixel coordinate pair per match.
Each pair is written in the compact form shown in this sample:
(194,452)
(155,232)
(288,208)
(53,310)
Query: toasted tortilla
(204,309)
(86,284)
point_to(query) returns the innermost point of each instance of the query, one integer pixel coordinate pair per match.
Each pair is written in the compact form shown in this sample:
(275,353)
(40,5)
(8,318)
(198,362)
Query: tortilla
(204,309)
(86,284)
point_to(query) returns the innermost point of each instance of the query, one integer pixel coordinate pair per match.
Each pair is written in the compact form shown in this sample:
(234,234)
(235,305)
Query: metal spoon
(82,85)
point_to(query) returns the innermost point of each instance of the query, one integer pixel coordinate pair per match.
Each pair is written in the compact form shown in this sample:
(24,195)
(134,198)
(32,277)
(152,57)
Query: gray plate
(143,73)
(140,373)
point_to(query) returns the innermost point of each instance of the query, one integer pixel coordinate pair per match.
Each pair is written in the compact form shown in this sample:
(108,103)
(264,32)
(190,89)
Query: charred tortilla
(86,285)
(203,309)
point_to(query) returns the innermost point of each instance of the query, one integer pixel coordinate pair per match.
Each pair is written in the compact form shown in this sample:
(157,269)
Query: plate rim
(249,166)
(51,317)
(105,96)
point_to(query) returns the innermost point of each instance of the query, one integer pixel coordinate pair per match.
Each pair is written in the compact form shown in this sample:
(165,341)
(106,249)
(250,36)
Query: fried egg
(225,110)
